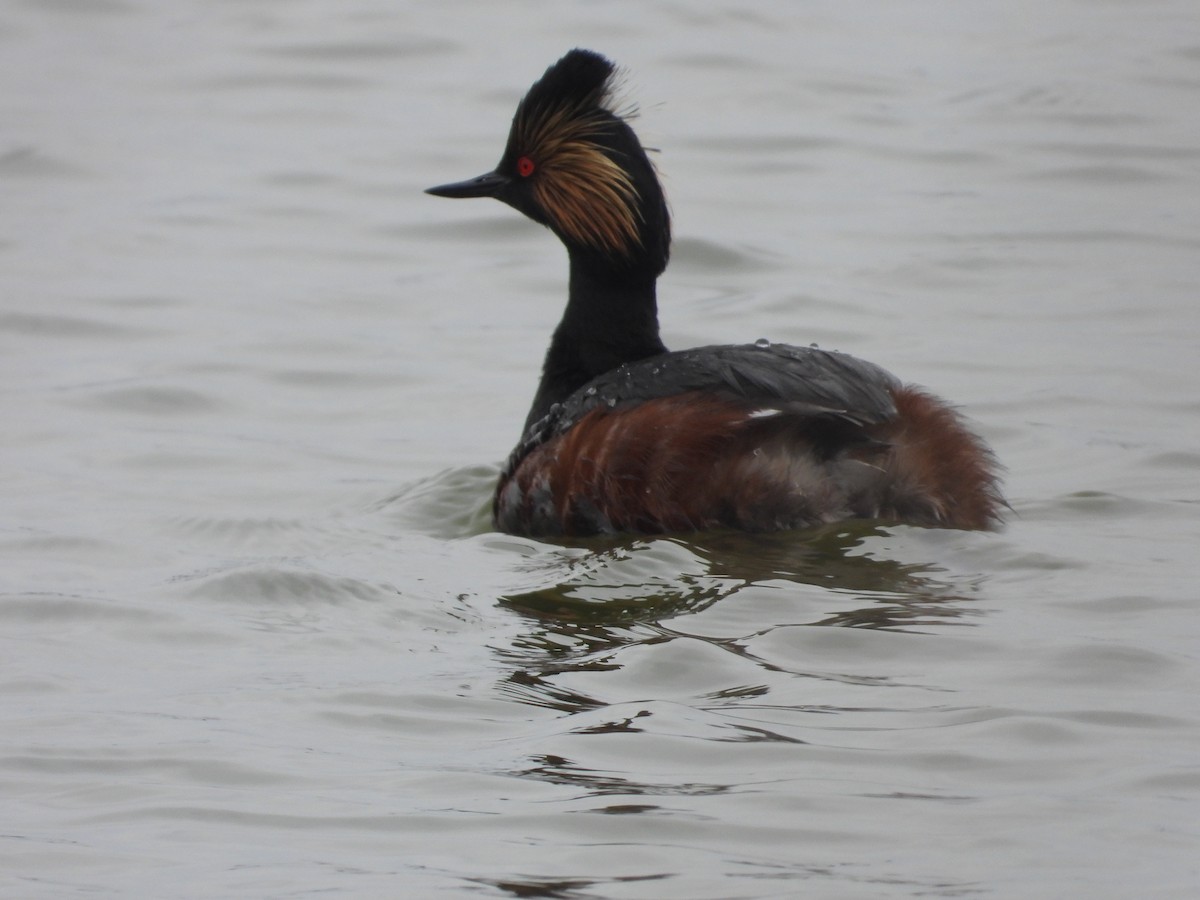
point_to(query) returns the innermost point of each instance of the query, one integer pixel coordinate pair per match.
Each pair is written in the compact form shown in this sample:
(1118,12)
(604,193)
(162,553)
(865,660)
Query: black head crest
(572,147)
(581,80)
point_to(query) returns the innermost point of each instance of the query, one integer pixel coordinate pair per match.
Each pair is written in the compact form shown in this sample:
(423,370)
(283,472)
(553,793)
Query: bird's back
(755,437)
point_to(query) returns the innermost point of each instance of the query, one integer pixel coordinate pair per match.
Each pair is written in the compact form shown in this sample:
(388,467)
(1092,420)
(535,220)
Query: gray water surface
(256,638)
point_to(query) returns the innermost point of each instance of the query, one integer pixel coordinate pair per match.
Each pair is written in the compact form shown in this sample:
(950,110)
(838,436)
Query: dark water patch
(83,7)
(1123,719)
(1036,731)
(1175,459)
(256,819)
(299,82)
(435,723)
(708,61)
(1183,782)
(625,809)
(549,888)
(46,325)
(1100,175)
(49,608)
(330,379)
(299,179)
(563,771)
(141,302)
(291,214)
(1110,665)
(168,459)
(1094,507)
(879,88)
(153,400)
(928,156)
(755,144)
(533,688)
(621,582)
(867,658)
(1068,236)
(642,582)
(381,50)
(472,227)
(75,546)
(1091,504)
(266,535)
(122,764)
(1119,151)
(33,162)
(700,255)
(264,584)
(740,733)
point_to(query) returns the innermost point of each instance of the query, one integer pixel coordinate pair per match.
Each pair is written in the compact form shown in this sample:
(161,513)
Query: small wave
(454,503)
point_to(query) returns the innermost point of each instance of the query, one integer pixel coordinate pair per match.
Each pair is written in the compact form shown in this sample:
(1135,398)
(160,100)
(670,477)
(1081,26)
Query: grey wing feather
(797,380)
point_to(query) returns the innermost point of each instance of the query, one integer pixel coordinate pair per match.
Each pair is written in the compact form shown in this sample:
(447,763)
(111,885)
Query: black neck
(611,319)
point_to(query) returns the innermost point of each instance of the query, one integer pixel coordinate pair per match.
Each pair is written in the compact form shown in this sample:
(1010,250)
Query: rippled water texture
(257,638)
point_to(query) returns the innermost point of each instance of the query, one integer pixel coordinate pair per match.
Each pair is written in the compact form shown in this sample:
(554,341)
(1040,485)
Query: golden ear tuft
(561,124)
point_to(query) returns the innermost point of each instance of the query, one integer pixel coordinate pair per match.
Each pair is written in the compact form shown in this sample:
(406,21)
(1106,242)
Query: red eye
(525,167)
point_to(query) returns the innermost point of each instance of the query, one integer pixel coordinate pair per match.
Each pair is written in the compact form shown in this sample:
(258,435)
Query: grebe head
(573,164)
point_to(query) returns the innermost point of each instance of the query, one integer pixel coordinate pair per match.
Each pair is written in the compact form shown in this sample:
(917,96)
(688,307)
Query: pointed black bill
(488,185)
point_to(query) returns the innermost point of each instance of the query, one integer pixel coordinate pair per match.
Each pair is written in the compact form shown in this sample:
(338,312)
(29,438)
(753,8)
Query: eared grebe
(624,436)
